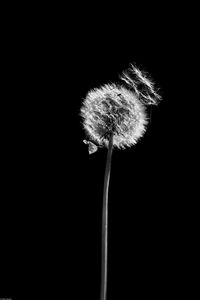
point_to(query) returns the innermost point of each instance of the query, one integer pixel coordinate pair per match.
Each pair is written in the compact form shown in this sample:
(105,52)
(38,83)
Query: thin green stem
(104,259)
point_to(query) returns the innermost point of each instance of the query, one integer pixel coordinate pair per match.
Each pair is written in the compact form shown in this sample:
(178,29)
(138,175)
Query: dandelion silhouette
(114,115)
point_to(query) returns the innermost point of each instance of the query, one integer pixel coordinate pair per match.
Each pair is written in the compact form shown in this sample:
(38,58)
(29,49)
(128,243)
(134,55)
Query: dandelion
(114,115)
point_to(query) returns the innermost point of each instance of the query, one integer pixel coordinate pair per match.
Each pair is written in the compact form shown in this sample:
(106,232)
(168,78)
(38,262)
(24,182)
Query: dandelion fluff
(141,84)
(113,109)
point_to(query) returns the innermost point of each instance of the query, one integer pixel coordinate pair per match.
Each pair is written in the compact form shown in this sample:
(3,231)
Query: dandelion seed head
(113,109)
(119,110)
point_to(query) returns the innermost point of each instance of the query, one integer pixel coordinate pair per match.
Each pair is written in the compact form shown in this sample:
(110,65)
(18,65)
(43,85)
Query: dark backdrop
(52,189)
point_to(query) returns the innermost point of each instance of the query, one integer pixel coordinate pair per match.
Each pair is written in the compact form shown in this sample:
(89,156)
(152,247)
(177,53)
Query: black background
(52,189)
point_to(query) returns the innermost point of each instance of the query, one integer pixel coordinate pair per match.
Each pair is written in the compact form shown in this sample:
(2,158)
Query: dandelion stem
(104,260)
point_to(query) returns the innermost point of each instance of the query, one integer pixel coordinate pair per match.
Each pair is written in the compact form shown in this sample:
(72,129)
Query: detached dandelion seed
(114,115)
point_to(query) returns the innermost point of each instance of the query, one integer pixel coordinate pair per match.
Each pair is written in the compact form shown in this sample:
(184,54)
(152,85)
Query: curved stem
(104,260)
